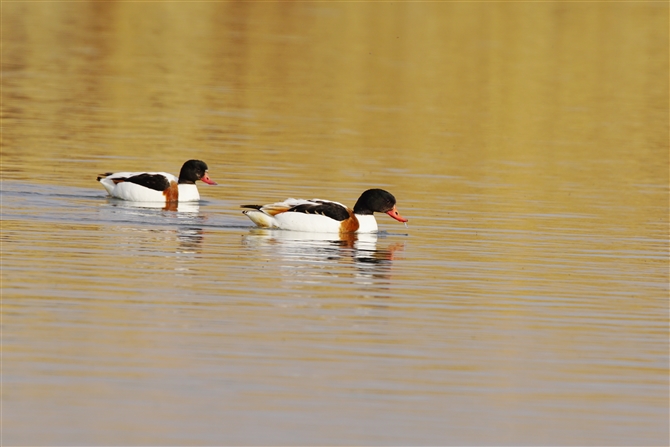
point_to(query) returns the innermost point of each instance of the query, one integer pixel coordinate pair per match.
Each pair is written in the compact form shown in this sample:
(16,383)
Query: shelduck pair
(316,215)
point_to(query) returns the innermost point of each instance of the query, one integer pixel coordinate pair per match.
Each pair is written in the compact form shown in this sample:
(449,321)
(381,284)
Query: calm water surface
(525,303)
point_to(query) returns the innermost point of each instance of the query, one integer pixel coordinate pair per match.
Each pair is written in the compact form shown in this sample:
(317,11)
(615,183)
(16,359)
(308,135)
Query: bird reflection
(181,207)
(190,239)
(315,249)
(372,261)
(148,227)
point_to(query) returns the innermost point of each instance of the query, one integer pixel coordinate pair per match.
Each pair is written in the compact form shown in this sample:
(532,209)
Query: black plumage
(157,182)
(328,209)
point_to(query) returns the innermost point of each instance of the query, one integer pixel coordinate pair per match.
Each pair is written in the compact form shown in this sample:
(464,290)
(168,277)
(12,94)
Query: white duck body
(157,186)
(314,216)
(312,223)
(278,215)
(138,193)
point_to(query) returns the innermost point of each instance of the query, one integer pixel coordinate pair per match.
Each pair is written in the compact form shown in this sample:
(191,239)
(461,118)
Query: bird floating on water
(157,186)
(325,216)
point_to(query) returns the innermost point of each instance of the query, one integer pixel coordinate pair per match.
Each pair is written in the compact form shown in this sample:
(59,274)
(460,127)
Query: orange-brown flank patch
(349,225)
(172,193)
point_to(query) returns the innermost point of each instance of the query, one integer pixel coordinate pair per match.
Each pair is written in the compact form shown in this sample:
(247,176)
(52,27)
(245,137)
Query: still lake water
(526,303)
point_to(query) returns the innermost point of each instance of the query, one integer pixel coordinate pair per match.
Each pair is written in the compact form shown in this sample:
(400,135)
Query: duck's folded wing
(158,181)
(271,209)
(334,210)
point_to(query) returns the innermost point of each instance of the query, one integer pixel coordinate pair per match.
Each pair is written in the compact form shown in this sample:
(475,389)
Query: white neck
(367,223)
(188,192)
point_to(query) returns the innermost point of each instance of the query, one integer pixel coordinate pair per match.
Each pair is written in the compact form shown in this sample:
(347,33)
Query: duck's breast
(188,193)
(367,223)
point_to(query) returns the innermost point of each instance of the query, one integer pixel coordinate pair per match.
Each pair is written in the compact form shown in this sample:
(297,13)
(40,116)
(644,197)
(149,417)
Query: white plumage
(138,193)
(157,186)
(325,216)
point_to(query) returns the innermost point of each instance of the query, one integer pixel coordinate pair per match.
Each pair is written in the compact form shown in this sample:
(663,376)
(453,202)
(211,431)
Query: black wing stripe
(152,181)
(328,209)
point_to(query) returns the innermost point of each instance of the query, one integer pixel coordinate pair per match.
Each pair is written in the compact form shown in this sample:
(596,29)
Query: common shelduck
(324,216)
(157,186)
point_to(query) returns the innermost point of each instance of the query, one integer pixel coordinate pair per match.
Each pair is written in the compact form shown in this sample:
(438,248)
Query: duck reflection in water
(190,239)
(146,225)
(180,207)
(315,252)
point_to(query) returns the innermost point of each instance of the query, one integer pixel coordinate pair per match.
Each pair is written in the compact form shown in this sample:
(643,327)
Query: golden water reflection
(526,303)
